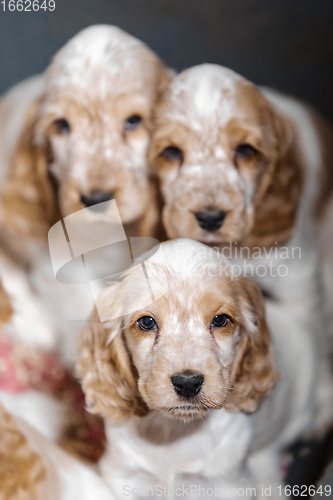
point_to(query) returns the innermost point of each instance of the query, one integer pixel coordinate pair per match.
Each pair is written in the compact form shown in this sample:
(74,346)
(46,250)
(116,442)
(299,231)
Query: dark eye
(62,126)
(245,151)
(173,153)
(147,323)
(132,122)
(220,321)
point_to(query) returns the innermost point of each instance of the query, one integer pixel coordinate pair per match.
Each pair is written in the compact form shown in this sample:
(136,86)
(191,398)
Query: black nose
(187,386)
(96,197)
(210,220)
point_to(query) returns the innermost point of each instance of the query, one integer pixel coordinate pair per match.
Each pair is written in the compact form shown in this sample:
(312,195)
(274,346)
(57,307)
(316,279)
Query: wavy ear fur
(22,471)
(108,376)
(254,371)
(277,208)
(28,199)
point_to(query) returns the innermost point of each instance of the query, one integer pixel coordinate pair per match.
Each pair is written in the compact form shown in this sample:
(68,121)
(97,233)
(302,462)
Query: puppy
(185,355)
(33,468)
(72,138)
(248,170)
(236,163)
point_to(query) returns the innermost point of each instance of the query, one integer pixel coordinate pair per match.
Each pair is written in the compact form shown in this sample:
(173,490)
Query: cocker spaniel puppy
(33,468)
(249,170)
(185,355)
(71,138)
(237,163)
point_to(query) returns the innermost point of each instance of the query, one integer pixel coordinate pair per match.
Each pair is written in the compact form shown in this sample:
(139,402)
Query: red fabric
(23,368)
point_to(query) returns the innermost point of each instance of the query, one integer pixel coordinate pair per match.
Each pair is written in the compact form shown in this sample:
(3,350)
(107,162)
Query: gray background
(286,44)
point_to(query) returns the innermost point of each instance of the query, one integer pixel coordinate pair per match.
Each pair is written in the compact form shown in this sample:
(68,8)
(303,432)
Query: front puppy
(174,369)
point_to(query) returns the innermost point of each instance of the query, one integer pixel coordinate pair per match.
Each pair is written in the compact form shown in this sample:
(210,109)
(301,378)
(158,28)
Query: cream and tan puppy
(185,355)
(72,138)
(236,163)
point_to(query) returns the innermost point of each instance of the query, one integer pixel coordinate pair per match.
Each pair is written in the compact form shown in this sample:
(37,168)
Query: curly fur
(22,471)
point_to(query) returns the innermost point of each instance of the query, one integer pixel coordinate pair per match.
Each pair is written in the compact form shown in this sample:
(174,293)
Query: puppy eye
(173,153)
(220,321)
(62,126)
(147,323)
(245,151)
(132,122)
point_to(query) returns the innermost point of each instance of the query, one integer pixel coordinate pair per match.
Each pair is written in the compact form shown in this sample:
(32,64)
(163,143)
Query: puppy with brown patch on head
(71,139)
(33,468)
(248,170)
(236,163)
(185,354)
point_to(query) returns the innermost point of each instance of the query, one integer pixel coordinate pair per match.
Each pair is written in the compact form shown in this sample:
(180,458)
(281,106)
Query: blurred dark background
(286,44)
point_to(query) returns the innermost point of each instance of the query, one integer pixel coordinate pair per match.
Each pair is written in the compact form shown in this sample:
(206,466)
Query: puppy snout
(187,386)
(96,197)
(211,219)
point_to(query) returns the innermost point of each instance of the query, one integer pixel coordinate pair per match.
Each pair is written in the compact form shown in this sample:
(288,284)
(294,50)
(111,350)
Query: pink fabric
(23,368)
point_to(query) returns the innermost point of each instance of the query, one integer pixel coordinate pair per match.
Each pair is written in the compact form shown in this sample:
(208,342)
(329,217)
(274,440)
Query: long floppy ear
(254,372)
(278,202)
(166,76)
(28,198)
(109,379)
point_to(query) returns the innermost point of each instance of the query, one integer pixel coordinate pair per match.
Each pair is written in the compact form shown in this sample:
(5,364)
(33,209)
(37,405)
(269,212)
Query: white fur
(41,411)
(212,456)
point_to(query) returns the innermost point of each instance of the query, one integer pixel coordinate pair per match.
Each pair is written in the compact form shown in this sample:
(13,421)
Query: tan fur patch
(254,372)
(22,472)
(28,200)
(108,376)
(6,310)
(277,208)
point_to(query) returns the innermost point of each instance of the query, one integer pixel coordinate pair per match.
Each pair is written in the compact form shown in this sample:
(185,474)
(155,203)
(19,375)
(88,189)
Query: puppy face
(215,149)
(94,120)
(203,345)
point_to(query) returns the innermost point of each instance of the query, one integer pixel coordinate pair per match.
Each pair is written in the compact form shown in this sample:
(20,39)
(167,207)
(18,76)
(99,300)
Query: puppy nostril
(187,386)
(211,220)
(96,197)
